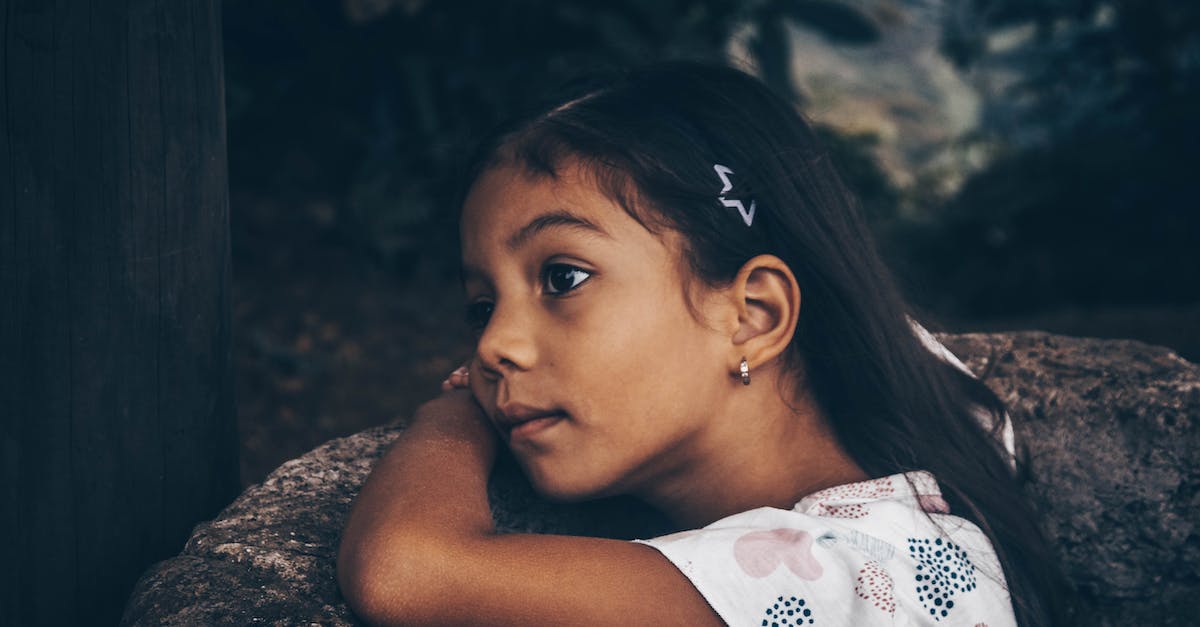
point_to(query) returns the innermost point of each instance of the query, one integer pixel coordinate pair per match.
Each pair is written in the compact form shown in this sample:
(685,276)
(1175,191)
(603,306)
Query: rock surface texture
(1109,429)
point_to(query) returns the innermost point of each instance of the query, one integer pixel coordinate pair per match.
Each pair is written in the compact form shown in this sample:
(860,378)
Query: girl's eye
(561,278)
(477,314)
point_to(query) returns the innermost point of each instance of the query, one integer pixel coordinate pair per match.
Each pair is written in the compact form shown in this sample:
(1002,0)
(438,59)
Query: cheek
(646,365)
(483,391)
(631,342)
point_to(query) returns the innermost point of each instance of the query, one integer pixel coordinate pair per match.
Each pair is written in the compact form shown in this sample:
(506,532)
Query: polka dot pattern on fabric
(864,490)
(875,585)
(787,612)
(852,510)
(943,571)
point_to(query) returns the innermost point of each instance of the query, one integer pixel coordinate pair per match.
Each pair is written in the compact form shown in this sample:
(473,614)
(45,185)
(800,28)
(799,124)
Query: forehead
(504,207)
(511,205)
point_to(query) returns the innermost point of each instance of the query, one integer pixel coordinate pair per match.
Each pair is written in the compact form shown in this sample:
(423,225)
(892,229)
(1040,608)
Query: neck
(757,451)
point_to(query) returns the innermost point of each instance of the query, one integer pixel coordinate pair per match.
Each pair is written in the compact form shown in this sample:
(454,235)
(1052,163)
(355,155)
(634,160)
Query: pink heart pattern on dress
(759,553)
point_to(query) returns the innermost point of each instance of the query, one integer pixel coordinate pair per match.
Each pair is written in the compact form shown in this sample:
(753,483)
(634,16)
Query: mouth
(517,422)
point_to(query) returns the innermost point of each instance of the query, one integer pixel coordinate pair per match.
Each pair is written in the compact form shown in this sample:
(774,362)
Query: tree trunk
(116,388)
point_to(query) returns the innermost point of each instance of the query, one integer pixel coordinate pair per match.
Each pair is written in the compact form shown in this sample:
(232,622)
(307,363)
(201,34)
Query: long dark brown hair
(651,137)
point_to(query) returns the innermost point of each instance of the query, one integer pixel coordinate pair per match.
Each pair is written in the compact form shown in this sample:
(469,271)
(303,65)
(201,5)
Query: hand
(459,400)
(459,379)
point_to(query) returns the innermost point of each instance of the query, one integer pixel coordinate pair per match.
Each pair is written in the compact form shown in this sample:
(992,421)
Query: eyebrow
(559,218)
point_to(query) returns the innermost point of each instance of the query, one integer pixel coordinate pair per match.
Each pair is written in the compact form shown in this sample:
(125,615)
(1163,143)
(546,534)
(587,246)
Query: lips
(513,415)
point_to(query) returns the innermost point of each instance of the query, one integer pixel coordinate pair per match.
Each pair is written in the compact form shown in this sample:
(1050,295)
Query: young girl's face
(581,313)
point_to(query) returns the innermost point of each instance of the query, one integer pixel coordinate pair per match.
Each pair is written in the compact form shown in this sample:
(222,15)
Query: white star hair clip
(747,214)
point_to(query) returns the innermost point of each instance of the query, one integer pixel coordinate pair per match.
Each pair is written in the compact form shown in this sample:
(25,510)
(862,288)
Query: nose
(507,342)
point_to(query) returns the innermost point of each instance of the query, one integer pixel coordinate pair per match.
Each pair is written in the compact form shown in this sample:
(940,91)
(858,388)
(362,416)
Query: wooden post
(116,386)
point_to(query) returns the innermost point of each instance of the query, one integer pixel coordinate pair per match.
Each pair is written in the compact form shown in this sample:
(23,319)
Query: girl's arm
(420,547)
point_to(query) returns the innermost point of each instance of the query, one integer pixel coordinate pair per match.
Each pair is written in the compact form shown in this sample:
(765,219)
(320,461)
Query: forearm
(425,499)
(420,548)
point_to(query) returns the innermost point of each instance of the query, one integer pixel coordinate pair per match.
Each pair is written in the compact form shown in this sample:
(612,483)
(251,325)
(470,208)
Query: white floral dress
(879,552)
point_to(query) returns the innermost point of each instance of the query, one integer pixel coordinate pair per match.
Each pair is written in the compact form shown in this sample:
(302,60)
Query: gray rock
(1111,435)
(1109,429)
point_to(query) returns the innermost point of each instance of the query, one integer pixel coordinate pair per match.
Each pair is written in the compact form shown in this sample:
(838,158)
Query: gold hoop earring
(745,369)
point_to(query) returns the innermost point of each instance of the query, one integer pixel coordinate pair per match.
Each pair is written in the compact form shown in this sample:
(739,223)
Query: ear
(767,298)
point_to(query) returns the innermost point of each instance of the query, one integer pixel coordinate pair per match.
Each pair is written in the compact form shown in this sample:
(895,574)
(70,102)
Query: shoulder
(864,554)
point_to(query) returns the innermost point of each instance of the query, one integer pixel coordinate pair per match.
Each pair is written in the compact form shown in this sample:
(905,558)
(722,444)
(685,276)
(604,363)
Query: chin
(558,488)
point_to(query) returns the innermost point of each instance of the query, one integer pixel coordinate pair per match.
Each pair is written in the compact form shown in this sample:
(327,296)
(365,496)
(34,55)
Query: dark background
(1024,165)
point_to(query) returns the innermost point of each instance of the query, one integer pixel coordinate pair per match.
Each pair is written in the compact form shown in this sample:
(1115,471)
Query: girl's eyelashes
(557,279)
(477,314)
(560,278)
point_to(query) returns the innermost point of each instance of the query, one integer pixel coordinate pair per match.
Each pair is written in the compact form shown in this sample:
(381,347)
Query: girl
(676,299)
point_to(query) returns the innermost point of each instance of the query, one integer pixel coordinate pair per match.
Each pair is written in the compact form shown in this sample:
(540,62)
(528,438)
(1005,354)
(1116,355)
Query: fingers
(458,379)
